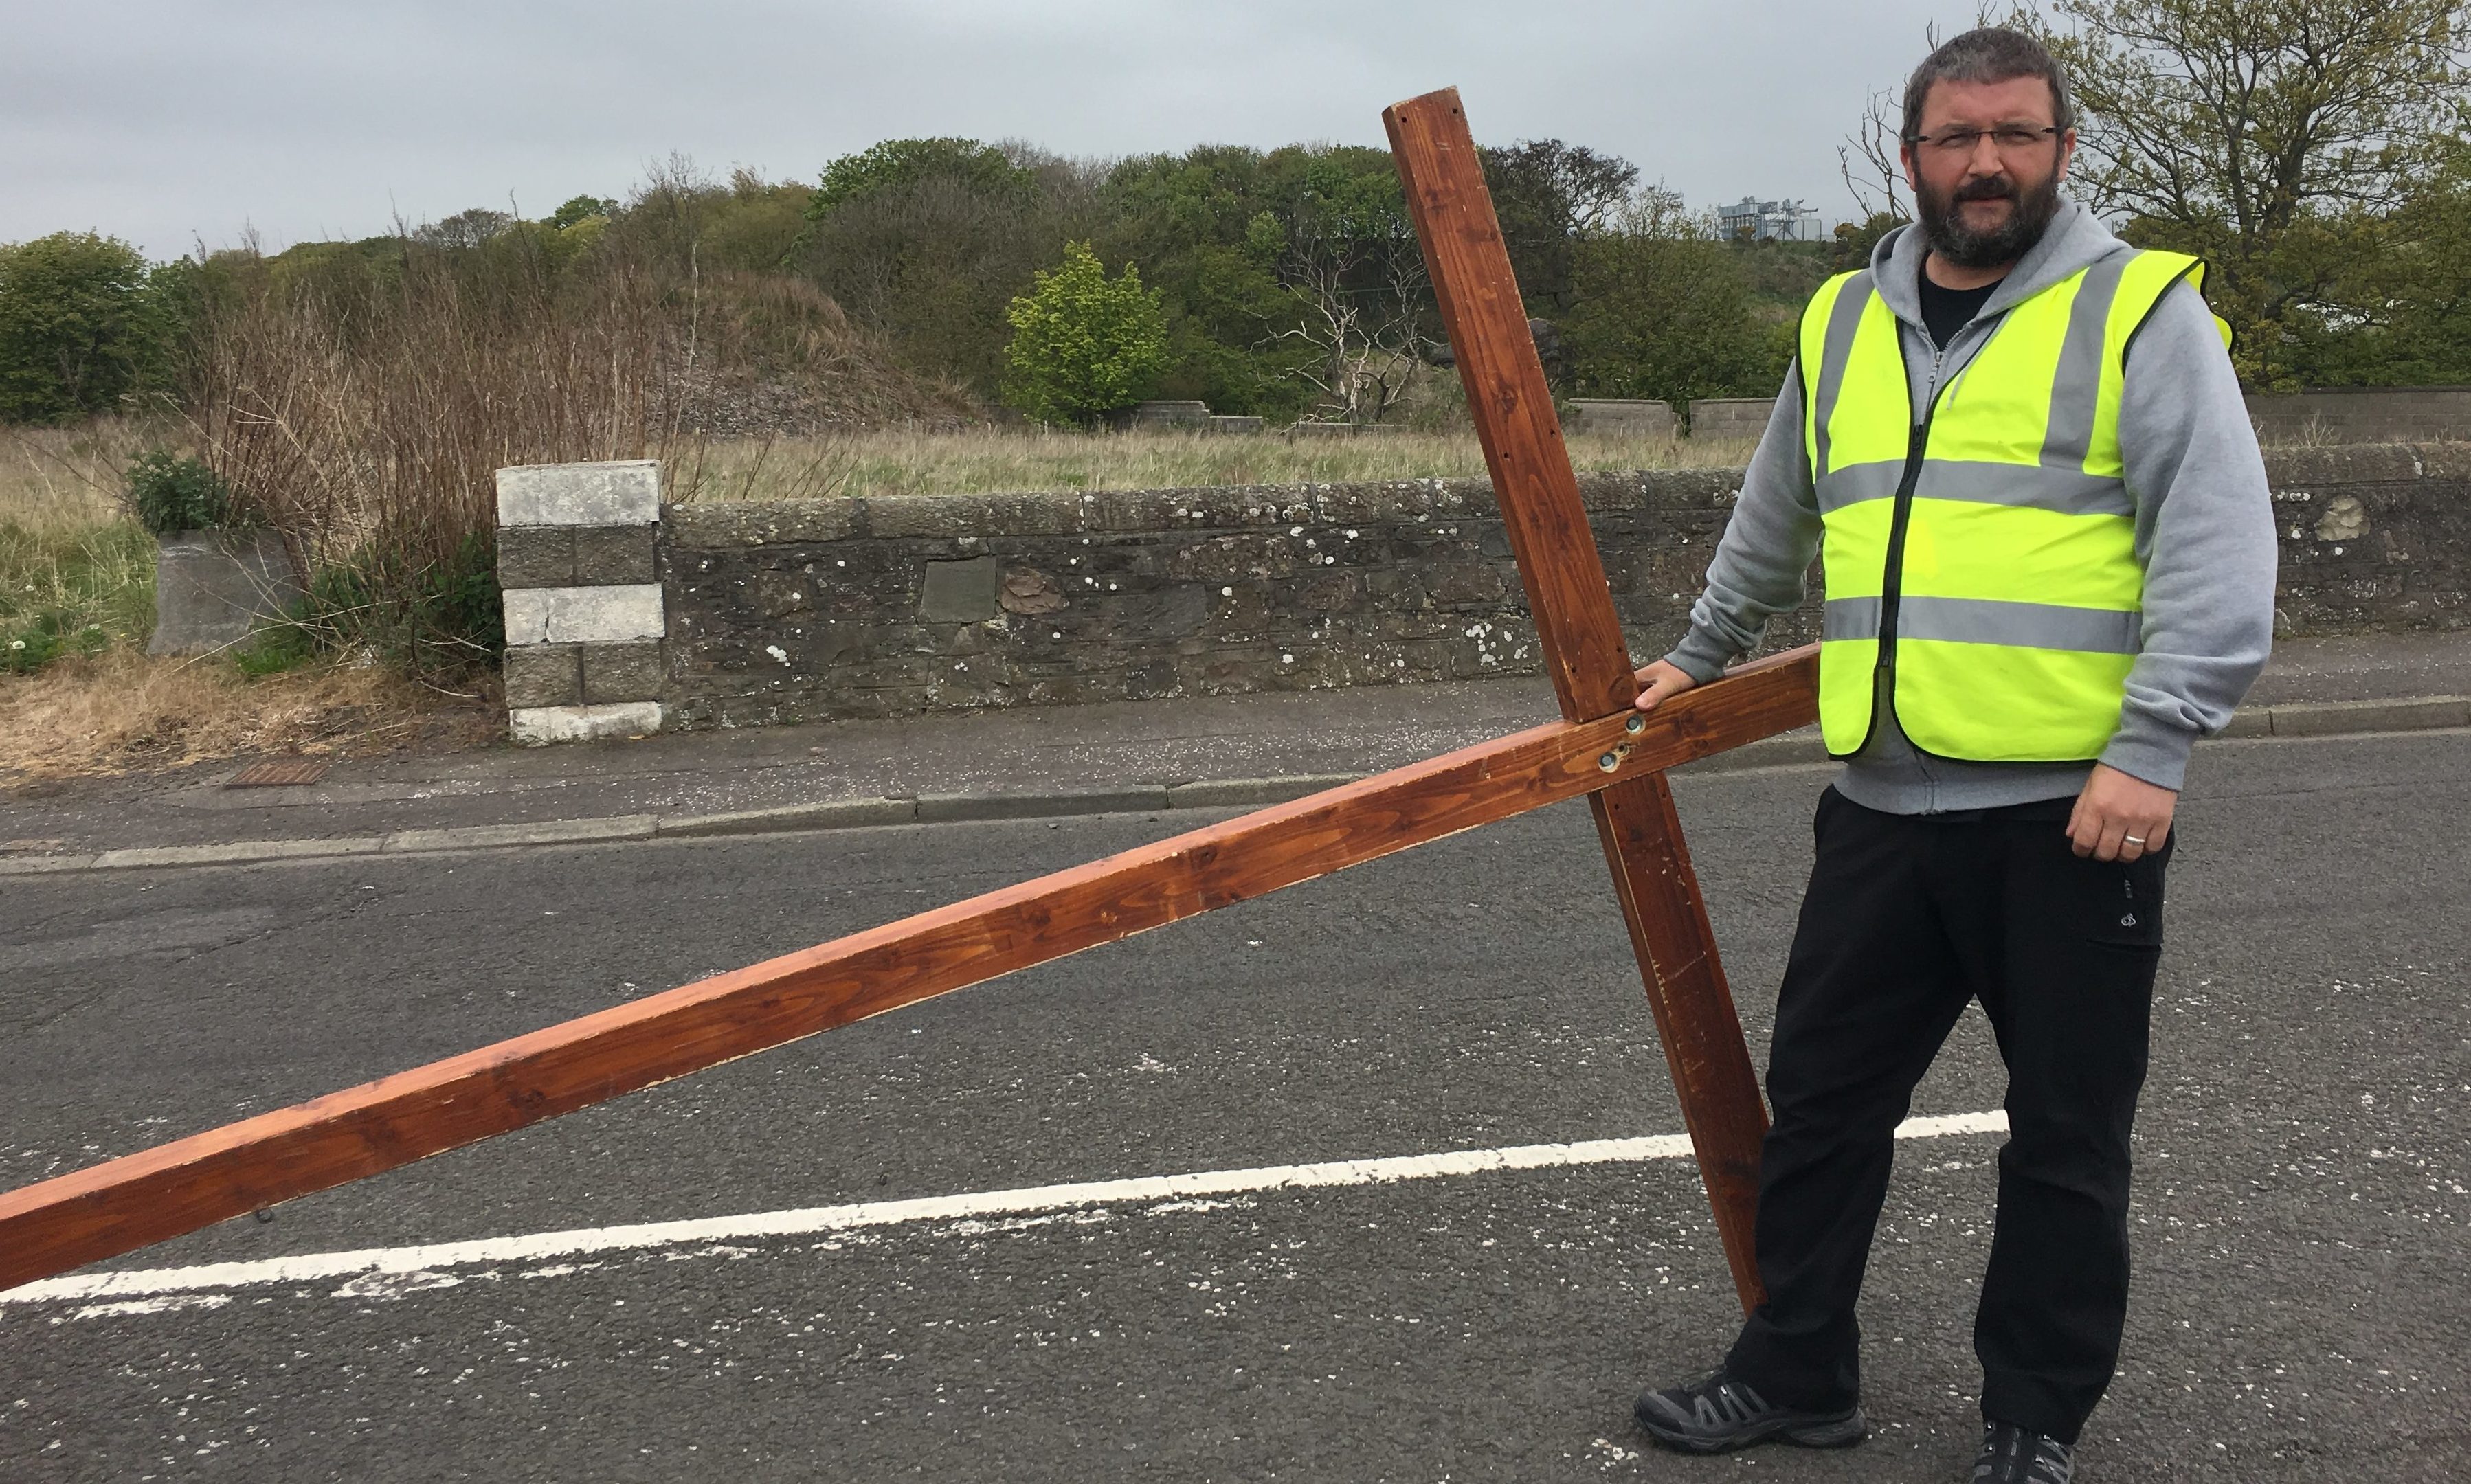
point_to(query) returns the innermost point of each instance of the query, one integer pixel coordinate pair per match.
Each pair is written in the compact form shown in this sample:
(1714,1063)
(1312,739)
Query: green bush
(173,494)
(84,324)
(1083,345)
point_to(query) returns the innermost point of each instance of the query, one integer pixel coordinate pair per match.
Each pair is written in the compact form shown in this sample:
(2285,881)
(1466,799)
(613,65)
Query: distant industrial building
(1771,221)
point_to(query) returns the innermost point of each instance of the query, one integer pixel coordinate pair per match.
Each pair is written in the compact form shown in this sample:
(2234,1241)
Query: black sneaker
(2011,1456)
(1716,1414)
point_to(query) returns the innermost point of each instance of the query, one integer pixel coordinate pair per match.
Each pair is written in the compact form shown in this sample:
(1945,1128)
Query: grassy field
(1015,461)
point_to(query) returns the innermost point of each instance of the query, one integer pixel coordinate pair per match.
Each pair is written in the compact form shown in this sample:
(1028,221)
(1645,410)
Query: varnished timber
(1712,1076)
(145,1197)
(1582,642)
(1511,405)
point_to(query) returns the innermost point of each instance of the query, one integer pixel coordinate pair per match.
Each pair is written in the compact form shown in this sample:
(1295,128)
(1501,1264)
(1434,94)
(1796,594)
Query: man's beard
(2029,216)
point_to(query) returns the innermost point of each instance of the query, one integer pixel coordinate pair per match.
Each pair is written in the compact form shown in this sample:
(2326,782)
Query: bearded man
(2020,449)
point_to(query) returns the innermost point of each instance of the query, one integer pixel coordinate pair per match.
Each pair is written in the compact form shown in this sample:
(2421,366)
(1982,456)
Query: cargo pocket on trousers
(2123,904)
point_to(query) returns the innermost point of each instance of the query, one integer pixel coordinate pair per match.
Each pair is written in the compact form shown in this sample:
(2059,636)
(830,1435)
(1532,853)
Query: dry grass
(61,481)
(367,427)
(988,462)
(121,712)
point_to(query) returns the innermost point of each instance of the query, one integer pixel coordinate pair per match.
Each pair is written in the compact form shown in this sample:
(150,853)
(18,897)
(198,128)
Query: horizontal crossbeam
(157,1194)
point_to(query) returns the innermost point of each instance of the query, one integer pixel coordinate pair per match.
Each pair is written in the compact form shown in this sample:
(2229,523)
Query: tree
(925,242)
(900,162)
(1346,251)
(472,228)
(578,208)
(1188,219)
(1852,248)
(1549,194)
(2275,138)
(2402,293)
(1083,345)
(1662,309)
(83,324)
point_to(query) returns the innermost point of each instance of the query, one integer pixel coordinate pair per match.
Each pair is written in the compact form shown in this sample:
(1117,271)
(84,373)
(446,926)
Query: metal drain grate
(276,773)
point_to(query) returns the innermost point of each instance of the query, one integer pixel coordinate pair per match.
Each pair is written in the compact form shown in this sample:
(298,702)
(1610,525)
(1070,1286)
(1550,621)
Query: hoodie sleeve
(2204,530)
(1762,562)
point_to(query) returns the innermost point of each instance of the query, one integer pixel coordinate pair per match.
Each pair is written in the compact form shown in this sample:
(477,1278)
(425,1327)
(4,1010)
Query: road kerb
(2332,719)
(2298,719)
(833,814)
(945,808)
(234,852)
(549,831)
(1253,792)
(45,866)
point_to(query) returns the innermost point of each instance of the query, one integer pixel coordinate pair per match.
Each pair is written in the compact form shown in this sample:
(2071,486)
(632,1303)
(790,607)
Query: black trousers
(1907,919)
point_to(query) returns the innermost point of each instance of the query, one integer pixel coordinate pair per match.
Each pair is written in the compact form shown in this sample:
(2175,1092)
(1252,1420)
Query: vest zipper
(1892,582)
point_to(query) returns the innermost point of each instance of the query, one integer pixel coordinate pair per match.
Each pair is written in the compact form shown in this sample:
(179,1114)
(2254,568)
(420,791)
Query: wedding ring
(2135,839)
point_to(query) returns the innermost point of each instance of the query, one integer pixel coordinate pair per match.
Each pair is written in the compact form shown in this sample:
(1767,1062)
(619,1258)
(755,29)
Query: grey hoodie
(2205,531)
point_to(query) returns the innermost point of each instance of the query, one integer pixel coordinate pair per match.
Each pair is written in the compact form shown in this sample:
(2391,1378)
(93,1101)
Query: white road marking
(422,1264)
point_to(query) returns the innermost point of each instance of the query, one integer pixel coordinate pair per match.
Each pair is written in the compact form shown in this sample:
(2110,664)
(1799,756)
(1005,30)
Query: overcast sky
(170,124)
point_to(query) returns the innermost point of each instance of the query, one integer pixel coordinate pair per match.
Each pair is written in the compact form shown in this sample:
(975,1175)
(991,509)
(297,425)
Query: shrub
(83,324)
(173,494)
(434,617)
(1083,345)
(925,246)
(368,424)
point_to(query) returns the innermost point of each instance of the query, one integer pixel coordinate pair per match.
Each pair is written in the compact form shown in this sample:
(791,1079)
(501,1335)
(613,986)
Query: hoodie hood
(2075,240)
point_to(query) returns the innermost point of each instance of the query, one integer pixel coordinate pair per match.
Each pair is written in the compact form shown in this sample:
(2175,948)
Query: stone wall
(2374,538)
(1628,417)
(888,605)
(2363,414)
(1743,418)
(892,605)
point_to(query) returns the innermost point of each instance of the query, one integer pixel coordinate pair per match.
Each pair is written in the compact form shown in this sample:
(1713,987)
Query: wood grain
(1582,641)
(1695,1018)
(1510,404)
(145,1197)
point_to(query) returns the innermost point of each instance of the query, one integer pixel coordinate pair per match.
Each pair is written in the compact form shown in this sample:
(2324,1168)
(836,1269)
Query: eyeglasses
(2011,139)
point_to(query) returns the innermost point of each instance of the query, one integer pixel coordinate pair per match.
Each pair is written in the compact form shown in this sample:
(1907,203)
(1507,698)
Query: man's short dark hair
(1991,54)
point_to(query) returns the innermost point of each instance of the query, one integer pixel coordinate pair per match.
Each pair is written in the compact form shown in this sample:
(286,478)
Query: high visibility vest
(1981,559)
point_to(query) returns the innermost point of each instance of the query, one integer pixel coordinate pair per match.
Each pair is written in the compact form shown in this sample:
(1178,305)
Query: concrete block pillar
(584,621)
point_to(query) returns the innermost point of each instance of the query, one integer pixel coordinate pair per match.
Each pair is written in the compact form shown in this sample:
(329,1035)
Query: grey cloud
(169,122)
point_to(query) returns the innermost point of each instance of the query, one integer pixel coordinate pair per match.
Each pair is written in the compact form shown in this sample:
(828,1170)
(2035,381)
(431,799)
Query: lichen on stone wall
(788,612)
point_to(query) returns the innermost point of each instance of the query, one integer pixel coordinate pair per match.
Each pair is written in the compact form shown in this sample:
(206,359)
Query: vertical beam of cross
(1582,641)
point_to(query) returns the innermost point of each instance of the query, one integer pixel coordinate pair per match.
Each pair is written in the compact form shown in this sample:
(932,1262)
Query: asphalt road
(2302,1306)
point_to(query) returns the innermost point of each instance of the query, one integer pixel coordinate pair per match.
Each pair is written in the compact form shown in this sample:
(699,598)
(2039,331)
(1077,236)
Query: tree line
(2317,154)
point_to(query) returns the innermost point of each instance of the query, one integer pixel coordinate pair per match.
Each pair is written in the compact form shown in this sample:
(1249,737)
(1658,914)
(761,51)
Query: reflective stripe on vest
(1984,560)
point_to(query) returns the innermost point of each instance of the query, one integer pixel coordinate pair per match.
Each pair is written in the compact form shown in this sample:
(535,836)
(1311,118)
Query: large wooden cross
(1601,748)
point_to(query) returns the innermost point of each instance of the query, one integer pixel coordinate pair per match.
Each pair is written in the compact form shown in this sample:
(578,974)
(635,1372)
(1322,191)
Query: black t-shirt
(1945,310)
